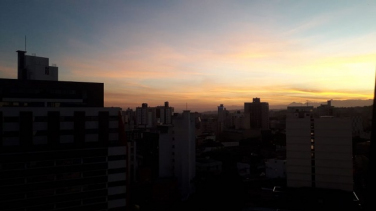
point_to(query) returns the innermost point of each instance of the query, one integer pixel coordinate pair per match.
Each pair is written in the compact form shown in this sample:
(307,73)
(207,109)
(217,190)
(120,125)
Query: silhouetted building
(238,120)
(257,114)
(147,154)
(129,119)
(209,125)
(57,156)
(301,110)
(164,114)
(143,118)
(222,117)
(148,117)
(32,93)
(38,91)
(35,68)
(325,110)
(318,151)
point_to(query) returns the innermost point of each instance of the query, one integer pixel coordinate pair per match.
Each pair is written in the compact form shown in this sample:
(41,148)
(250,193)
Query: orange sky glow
(206,53)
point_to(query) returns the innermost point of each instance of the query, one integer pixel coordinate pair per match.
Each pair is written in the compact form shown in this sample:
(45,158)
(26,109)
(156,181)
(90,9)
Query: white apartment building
(177,152)
(318,150)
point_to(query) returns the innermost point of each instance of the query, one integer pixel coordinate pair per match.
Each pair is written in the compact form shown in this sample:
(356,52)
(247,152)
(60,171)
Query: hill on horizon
(335,103)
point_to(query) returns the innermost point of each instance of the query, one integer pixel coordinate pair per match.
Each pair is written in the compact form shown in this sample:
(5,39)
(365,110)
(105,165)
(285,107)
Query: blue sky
(203,53)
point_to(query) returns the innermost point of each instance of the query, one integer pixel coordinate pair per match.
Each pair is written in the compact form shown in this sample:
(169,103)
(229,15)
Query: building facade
(256,115)
(221,117)
(318,151)
(177,157)
(60,149)
(59,158)
(31,67)
(148,117)
(32,93)
(164,114)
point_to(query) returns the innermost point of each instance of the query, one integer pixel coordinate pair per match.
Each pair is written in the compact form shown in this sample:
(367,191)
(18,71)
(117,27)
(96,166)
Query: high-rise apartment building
(143,116)
(177,152)
(318,150)
(221,117)
(60,149)
(148,117)
(256,115)
(164,114)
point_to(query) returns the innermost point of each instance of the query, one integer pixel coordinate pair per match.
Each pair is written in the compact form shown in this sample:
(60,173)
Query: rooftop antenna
(307,103)
(25,42)
(186,106)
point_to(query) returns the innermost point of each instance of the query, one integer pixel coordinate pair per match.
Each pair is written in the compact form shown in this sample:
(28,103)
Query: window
(117,157)
(46,71)
(94,200)
(68,162)
(68,176)
(95,160)
(44,178)
(115,171)
(40,164)
(12,166)
(68,204)
(94,187)
(94,173)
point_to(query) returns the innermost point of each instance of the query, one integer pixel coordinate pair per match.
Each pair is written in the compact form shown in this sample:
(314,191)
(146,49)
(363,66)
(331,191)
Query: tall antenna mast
(25,42)
(186,106)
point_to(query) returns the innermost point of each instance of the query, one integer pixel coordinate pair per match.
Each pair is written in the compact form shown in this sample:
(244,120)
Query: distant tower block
(257,114)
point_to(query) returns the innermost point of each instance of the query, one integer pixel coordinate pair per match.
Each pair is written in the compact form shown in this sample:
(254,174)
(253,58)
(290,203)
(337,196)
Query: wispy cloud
(214,52)
(233,74)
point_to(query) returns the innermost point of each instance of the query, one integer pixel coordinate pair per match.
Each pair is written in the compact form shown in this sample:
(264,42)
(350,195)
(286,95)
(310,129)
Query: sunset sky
(202,52)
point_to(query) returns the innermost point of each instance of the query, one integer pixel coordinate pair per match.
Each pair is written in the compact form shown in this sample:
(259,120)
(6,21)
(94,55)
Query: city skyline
(201,53)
